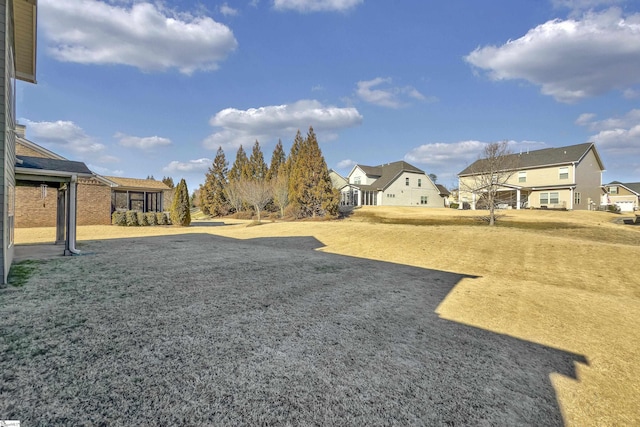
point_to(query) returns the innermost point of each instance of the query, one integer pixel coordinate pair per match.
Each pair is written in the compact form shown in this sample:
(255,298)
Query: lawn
(541,310)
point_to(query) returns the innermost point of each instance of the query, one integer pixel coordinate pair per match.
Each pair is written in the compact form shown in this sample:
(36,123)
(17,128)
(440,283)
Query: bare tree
(280,185)
(489,174)
(255,192)
(232,191)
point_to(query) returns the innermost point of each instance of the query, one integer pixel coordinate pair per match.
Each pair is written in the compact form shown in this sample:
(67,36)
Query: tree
(280,186)
(298,141)
(489,174)
(168,181)
(256,168)
(215,198)
(278,158)
(180,208)
(233,195)
(150,177)
(255,192)
(433,177)
(310,189)
(238,165)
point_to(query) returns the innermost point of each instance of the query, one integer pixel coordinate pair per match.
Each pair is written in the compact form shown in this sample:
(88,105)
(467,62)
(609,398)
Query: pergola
(63,176)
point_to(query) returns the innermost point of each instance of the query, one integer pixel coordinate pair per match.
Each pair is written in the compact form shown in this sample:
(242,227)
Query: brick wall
(32,210)
(94,205)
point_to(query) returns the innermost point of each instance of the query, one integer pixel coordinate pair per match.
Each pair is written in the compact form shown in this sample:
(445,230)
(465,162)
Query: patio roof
(42,169)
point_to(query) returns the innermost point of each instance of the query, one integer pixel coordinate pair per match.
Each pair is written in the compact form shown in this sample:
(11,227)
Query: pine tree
(278,158)
(180,208)
(310,189)
(168,181)
(256,168)
(298,142)
(214,185)
(238,168)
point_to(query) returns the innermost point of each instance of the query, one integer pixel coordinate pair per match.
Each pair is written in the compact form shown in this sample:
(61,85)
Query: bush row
(135,218)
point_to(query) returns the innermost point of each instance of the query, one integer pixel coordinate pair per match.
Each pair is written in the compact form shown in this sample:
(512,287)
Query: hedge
(135,218)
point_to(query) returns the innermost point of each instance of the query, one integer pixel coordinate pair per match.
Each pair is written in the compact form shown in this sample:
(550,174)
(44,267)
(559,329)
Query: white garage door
(625,206)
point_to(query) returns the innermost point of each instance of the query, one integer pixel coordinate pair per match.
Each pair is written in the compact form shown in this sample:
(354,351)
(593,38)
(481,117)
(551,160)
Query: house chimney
(20,130)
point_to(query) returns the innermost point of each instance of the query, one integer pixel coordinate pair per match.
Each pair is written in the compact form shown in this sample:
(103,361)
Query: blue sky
(137,88)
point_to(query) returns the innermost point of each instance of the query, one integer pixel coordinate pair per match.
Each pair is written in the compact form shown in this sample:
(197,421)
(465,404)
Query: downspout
(73,196)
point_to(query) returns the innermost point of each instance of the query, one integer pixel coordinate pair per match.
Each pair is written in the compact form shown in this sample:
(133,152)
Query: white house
(390,184)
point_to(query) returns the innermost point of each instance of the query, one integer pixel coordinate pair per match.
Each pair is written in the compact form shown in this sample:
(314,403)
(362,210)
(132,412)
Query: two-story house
(18,61)
(624,195)
(554,178)
(390,184)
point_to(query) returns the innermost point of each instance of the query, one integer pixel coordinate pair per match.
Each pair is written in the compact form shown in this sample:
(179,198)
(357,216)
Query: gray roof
(57,165)
(633,186)
(545,157)
(443,190)
(387,173)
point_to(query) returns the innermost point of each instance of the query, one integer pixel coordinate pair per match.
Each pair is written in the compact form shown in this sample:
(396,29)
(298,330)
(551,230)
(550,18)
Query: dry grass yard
(564,280)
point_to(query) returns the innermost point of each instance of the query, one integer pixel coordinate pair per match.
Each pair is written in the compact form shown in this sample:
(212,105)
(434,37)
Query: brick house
(97,196)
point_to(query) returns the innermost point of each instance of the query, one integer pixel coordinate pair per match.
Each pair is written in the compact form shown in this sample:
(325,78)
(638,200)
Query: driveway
(206,330)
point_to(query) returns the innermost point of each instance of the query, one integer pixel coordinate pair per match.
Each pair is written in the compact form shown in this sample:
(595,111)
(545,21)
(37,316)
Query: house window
(576,198)
(406,181)
(522,177)
(613,190)
(564,173)
(356,180)
(552,198)
(419,182)
(424,200)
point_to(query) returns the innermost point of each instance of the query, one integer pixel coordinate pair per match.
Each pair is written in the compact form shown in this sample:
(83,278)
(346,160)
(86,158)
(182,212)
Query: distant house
(97,196)
(390,184)
(624,195)
(444,193)
(555,178)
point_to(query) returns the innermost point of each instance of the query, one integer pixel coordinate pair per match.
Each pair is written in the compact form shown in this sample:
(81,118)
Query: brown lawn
(568,280)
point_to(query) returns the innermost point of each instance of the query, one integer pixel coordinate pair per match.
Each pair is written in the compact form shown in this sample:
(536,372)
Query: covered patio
(61,176)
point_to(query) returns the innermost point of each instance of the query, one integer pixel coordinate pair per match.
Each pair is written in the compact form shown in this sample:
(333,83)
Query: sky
(139,88)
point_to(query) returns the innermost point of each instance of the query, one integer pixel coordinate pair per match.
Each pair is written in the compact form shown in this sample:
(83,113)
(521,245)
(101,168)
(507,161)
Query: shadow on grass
(200,329)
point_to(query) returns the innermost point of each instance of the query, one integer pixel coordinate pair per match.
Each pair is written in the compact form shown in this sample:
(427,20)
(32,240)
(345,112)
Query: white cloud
(144,143)
(243,127)
(387,96)
(570,59)
(191,166)
(455,156)
(105,171)
(144,35)
(227,10)
(578,5)
(615,135)
(346,164)
(65,136)
(306,6)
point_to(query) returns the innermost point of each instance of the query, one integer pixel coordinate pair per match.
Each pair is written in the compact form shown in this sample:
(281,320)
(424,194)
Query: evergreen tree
(298,142)
(214,186)
(310,189)
(180,208)
(238,168)
(278,158)
(256,168)
(168,181)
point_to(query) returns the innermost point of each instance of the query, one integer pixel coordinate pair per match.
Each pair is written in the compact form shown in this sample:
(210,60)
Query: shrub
(152,219)
(161,218)
(118,218)
(613,208)
(131,218)
(454,205)
(142,218)
(181,207)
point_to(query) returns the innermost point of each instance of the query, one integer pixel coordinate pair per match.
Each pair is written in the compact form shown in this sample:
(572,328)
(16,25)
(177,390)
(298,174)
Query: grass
(20,272)
(562,280)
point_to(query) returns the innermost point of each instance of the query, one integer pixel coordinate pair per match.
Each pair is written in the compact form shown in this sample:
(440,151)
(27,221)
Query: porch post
(473,201)
(60,216)
(517,198)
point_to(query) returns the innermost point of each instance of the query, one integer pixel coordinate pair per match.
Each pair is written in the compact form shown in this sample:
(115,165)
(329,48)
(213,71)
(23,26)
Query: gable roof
(443,190)
(35,147)
(634,187)
(46,166)
(546,157)
(137,183)
(386,173)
